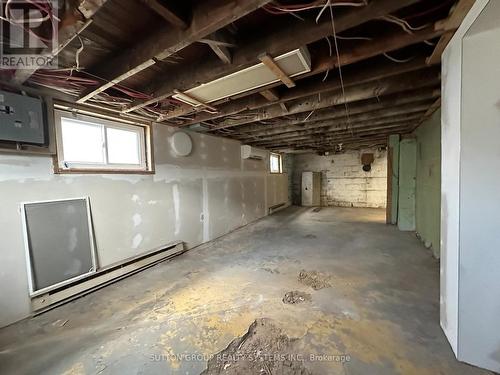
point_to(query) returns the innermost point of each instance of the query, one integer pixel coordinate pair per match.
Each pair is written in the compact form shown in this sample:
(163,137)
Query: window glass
(88,143)
(123,146)
(83,142)
(275,163)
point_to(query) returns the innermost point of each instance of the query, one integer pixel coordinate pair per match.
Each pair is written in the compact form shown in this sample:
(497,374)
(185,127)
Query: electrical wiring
(353,38)
(45,7)
(328,3)
(403,24)
(398,60)
(283,9)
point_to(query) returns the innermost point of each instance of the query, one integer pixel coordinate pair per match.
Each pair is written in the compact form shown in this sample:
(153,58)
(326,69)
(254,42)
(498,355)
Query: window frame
(280,161)
(145,146)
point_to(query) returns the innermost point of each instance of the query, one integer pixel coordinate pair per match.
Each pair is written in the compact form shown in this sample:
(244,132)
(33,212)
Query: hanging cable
(340,69)
(398,60)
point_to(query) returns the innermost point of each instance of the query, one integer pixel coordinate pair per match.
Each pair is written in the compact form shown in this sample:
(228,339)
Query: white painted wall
(343,181)
(479,292)
(470,282)
(193,199)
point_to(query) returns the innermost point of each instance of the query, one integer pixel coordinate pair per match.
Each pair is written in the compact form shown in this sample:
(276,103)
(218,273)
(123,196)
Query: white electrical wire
(403,24)
(339,67)
(398,60)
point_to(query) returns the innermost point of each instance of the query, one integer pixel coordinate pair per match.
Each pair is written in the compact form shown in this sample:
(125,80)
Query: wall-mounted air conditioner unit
(249,152)
(293,63)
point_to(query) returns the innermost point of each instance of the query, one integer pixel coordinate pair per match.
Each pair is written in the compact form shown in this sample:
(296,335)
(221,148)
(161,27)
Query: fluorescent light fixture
(293,63)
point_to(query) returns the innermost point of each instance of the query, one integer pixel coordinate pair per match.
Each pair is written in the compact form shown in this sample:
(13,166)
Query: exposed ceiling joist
(220,42)
(363,91)
(72,28)
(336,121)
(166,13)
(361,52)
(390,101)
(269,62)
(377,138)
(449,25)
(271,95)
(283,40)
(307,134)
(207,17)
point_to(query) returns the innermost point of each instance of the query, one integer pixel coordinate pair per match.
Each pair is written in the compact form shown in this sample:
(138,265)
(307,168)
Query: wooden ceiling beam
(341,127)
(418,79)
(339,120)
(340,139)
(207,17)
(220,43)
(269,62)
(409,98)
(402,128)
(283,40)
(167,14)
(271,95)
(346,145)
(450,25)
(66,35)
(362,51)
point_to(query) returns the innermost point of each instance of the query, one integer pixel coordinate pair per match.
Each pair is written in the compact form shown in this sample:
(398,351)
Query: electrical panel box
(22,119)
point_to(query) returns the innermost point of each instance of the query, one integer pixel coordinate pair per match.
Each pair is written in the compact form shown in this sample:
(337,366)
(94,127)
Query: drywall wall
(470,297)
(450,188)
(428,183)
(193,199)
(343,181)
(479,278)
(407,181)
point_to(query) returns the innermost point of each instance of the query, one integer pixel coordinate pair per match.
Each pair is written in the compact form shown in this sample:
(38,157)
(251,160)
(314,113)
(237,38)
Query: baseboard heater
(105,276)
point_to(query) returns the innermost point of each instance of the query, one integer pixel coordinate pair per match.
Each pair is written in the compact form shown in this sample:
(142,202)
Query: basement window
(86,143)
(275,163)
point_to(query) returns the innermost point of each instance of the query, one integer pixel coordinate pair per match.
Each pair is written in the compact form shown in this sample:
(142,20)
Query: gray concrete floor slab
(381,311)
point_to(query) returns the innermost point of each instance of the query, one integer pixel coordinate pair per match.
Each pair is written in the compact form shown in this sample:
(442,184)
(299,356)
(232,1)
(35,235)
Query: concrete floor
(381,310)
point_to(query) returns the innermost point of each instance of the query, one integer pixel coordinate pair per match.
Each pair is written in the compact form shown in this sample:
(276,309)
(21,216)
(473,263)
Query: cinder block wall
(343,181)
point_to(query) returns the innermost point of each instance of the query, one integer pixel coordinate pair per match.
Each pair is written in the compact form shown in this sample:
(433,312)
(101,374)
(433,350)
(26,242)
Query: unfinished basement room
(265,187)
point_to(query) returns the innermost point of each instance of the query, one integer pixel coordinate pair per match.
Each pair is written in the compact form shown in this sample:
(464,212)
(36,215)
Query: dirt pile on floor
(294,297)
(314,279)
(264,349)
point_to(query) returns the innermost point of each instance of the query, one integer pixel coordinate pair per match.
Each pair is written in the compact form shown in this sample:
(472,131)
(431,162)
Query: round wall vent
(181,144)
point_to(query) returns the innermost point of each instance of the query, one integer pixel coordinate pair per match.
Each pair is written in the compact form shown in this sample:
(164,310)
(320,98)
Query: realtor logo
(29,33)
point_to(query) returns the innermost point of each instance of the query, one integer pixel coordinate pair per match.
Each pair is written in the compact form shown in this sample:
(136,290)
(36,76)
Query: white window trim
(104,123)
(280,157)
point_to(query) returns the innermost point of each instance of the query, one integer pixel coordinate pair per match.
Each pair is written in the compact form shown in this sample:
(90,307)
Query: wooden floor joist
(361,52)
(143,67)
(364,91)
(271,95)
(283,40)
(207,18)
(269,62)
(449,25)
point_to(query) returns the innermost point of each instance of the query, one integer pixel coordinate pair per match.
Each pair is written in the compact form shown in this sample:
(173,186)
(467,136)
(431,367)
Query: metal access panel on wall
(311,189)
(21,119)
(59,243)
